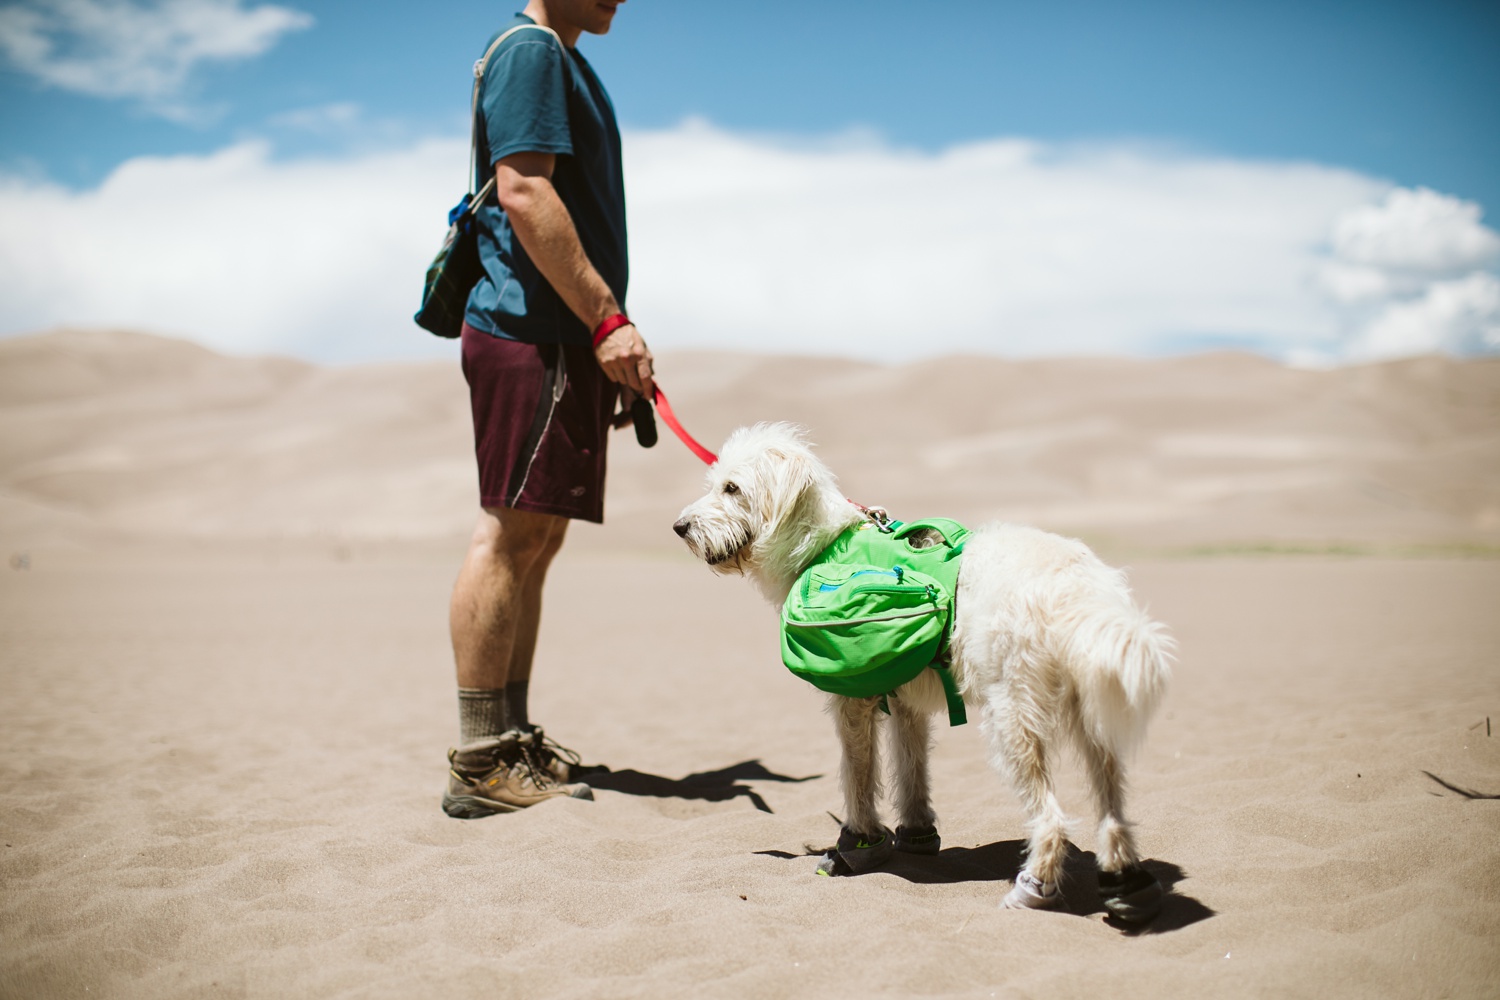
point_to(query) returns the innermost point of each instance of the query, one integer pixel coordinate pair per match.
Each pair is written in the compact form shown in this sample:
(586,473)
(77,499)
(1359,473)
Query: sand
(225,689)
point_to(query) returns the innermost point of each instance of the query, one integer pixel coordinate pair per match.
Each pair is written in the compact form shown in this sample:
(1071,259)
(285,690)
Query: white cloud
(319,258)
(320,119)
(120,48)
(1350,284)
(1411,269)
(1416,230)
(1460,317)
(1008,247)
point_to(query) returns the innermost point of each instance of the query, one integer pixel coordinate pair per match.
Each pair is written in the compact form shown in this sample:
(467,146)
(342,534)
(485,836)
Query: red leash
(665,409)
(609,326)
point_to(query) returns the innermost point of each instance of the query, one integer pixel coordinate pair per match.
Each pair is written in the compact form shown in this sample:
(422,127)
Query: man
(543,394)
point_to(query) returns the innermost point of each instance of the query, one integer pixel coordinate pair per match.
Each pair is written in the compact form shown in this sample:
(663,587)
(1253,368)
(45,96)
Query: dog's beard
(728,557)
(719,540)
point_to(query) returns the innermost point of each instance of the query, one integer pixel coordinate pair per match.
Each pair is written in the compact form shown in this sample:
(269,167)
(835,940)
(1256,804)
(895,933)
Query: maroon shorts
(541,424)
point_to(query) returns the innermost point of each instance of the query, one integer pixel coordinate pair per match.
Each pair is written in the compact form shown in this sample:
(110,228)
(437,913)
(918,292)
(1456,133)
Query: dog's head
(769,508)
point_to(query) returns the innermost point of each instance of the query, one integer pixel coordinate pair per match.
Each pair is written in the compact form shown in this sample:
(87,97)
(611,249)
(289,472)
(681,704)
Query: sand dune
(225,689)
(138,435)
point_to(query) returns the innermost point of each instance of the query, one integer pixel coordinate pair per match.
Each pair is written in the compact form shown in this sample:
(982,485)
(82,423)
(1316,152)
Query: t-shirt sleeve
(525,100)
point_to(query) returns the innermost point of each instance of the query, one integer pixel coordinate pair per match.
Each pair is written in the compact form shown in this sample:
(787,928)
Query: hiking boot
(502,774)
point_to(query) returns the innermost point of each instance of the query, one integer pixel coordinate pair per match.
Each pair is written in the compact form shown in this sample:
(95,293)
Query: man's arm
(523,183)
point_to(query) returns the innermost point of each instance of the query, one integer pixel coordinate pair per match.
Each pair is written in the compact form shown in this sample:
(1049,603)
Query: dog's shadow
(1000,861)
(704,786)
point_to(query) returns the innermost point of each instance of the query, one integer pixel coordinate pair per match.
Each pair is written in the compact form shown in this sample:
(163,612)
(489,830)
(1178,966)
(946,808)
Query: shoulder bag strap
(479,67)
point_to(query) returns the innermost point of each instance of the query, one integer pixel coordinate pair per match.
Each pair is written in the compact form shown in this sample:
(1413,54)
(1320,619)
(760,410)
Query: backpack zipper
(824,588)
(860,621)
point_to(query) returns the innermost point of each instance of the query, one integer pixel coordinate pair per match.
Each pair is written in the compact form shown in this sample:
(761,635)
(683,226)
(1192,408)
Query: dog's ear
(787,476)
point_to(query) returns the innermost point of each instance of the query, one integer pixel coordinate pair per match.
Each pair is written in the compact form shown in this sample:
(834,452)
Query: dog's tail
(1122,661)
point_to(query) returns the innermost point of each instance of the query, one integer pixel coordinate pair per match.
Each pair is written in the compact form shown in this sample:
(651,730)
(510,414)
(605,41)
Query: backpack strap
(955,535)
(482,191)
(957,716)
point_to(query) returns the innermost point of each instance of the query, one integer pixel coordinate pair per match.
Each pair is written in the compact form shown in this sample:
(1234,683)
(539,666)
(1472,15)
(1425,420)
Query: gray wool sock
(483,713)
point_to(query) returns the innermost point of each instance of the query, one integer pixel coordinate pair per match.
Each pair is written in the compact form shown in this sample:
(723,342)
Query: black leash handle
(645,422)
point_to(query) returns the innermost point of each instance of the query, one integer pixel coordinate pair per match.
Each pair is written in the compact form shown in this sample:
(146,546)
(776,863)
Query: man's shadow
(704,786)
(1002,860)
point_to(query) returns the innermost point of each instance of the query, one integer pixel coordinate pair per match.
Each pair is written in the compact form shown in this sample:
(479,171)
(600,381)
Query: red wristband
(609,326)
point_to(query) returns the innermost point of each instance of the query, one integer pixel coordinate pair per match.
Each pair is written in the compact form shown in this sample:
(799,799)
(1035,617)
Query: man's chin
(603,21)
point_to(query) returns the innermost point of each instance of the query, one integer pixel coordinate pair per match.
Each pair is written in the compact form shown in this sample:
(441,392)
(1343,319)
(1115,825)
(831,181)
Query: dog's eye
(731,488)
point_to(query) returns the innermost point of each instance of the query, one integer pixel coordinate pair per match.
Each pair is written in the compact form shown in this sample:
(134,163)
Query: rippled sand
(226,691)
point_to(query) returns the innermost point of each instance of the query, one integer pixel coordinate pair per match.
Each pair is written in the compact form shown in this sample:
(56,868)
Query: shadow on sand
(704,786)
(1000,861)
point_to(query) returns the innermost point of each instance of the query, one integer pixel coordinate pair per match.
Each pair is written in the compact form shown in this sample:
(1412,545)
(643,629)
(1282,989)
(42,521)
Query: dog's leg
(860,767)
(910,742)
(1107,782)
(1019,731)
(863,842)
(1129,892)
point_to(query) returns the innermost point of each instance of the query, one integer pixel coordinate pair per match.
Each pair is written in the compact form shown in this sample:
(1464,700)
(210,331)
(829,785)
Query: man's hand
(626,359)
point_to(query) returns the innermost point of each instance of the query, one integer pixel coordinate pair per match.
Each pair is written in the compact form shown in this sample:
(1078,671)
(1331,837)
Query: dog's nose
(681,526)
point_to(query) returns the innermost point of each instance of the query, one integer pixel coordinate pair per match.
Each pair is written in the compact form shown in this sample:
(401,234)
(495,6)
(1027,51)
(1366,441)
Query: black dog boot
(1132,895)
(918,840)
(857,852)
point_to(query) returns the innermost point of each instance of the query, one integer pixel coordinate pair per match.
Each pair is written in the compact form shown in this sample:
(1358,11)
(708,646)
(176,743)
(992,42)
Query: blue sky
(1340,106)
(1407,91)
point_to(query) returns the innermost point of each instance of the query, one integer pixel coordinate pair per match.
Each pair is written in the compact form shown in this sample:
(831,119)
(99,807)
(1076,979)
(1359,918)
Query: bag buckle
(878,516)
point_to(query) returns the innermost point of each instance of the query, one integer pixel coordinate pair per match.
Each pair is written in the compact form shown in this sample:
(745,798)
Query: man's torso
(537,96)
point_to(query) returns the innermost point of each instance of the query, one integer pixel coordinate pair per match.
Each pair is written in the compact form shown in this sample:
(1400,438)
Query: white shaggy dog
(1046,641)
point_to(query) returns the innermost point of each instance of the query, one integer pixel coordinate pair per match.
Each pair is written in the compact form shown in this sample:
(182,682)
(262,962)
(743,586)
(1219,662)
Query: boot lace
(548,748)
(534,758)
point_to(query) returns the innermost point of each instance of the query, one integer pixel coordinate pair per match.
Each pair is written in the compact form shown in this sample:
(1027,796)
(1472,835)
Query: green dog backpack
(873,611)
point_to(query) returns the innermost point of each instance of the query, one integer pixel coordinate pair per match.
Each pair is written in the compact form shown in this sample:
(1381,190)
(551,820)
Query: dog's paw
(1132,895)
(918,840)
(1031,893)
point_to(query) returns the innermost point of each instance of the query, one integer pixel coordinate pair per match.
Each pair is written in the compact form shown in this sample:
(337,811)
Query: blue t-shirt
(539,97)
